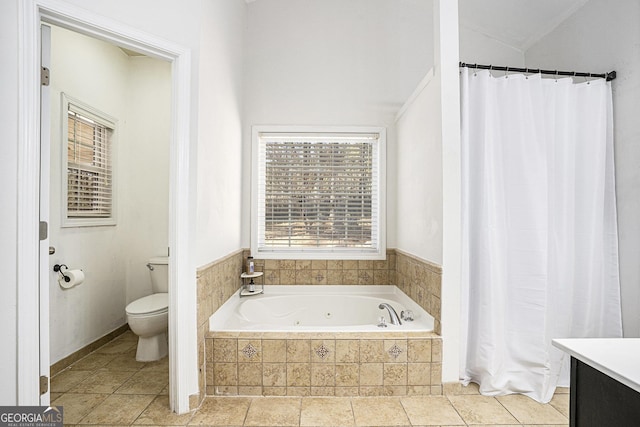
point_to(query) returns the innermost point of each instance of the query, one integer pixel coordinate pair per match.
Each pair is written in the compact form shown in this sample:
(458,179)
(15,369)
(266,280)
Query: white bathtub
(312,308)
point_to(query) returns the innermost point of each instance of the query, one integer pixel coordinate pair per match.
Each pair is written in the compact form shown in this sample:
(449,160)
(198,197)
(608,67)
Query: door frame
(182,373)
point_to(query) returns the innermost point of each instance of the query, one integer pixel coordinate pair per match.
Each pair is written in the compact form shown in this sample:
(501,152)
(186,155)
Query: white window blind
(318,192)
(89,186)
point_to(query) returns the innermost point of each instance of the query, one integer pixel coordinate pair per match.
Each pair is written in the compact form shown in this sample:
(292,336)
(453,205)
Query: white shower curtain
(540,245)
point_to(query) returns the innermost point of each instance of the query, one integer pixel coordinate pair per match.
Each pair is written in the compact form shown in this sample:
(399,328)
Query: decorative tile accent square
(322,351)
(395,351)
(249,351)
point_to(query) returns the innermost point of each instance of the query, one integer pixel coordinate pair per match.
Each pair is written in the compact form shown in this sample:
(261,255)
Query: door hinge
(44,227)
(44,384)
(44,76)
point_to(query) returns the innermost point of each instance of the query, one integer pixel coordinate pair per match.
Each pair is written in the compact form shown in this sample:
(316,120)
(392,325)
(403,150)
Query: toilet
(148,317)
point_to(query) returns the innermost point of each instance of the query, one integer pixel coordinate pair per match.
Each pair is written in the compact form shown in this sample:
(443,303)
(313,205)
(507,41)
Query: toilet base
(152,348)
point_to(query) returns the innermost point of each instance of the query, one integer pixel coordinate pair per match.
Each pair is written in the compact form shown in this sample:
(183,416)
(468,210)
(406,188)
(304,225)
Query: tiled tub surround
(218,280)
(328,272)
(323,364)
(422,281)
(418,278)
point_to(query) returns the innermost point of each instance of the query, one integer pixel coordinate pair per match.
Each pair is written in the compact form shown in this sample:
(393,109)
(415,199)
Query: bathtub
(319,309)
(321,341)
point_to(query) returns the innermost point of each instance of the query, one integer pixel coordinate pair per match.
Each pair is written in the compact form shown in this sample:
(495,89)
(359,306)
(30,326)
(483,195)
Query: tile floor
(108,387)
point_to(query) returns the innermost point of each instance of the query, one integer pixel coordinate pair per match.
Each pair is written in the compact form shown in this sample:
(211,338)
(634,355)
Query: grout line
(456,409)
(510,413)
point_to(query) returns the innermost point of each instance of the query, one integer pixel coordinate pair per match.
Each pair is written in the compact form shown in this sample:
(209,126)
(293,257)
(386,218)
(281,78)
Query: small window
(318,193)
(88,161)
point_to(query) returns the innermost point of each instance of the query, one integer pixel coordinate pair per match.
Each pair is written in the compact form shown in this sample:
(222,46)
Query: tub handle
(382,322)
(407,315)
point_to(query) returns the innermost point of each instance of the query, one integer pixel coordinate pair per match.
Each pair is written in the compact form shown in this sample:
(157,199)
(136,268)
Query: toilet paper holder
(58,269)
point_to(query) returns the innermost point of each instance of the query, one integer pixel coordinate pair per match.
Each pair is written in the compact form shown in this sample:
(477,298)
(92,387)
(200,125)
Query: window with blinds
(319,193)
(89,178)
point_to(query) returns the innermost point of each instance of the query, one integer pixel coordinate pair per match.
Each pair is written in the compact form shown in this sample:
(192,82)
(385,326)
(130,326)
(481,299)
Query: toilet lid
(150,304)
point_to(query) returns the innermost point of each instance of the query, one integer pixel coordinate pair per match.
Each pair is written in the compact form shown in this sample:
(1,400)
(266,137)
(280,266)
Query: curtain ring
(556,76)
(506,73)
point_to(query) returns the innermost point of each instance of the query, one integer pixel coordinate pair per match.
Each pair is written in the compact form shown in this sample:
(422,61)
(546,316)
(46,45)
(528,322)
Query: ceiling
(517,23)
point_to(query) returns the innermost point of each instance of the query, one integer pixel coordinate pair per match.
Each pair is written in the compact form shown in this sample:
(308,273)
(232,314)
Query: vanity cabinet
(605,381)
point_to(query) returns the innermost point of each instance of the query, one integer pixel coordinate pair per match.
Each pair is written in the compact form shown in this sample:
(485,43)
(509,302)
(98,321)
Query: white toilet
(148,317)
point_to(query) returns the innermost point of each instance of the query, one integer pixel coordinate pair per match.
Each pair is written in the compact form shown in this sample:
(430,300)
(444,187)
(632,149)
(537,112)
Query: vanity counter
(605,380)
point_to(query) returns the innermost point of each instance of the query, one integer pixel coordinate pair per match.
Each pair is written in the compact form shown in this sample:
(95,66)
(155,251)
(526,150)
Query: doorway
(33,341)
(108,198)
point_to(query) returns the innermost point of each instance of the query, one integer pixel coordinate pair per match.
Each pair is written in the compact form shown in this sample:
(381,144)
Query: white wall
(220,128)
(428,168)
(478,48)
(136,92)
(602,37)
(419,166)
(333,62)
(180,23)
(8,209)
(144,170)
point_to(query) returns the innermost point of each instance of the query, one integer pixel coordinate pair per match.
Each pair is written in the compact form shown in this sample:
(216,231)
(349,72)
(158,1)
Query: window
(88,183)
(318,193)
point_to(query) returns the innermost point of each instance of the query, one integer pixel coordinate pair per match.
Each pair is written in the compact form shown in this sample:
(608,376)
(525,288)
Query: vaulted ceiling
(517,23)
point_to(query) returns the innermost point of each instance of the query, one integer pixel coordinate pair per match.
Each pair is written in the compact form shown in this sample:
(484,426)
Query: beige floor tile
(103,381)
(481,410)
(93,361)
(274,411)
(158,365)
(144,382)
(165,390)
(561,403)
(222,411)
(118,409)
(53,396)
(117,347)
(326,411)
(68,379)
(159,414)
(379,411)
(430,410)
(496,425)
(77,406)
(528,411)
(562,390)
(127,336)
(124,362)
(102,425)
(472,388)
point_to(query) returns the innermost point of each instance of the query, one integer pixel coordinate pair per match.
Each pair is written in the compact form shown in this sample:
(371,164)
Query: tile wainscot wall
(342,364)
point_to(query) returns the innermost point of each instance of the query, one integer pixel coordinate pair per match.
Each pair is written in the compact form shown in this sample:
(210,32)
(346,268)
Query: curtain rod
(608,76)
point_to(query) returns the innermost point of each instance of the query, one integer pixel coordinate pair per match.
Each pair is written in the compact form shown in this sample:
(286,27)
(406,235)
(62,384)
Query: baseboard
(74,357)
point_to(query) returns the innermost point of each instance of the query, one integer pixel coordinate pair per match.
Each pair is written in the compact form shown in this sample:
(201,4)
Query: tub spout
(393,316)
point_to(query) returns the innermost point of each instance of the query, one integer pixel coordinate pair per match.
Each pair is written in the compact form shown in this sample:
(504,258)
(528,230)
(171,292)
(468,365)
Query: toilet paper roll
(76,277)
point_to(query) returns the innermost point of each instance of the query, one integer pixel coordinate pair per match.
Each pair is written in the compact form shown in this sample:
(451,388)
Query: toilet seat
(150,305)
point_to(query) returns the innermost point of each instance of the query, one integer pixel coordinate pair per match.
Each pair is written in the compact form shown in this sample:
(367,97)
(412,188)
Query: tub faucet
(393,316)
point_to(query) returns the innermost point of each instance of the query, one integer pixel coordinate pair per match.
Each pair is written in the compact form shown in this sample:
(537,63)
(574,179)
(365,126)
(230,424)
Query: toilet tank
(159,269)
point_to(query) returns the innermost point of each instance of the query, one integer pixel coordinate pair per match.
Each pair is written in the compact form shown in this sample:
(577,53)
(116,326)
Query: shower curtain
(540,245)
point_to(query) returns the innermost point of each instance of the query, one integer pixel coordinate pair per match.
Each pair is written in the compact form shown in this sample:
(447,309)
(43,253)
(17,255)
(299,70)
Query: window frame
(310,253)
(105,120)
